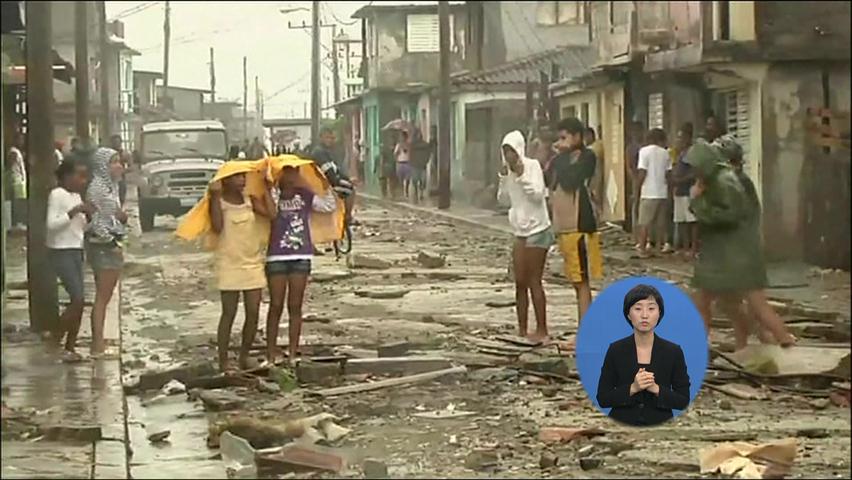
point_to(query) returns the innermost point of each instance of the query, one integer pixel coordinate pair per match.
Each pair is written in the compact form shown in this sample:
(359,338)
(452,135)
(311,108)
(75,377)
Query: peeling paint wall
(394,67)
(787,92)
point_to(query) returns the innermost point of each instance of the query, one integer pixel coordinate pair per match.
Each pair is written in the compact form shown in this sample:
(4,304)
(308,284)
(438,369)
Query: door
(615,198)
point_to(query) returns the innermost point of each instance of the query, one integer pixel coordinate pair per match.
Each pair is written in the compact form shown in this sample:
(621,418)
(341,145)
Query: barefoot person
(241,222)
(105,236)
(574,220)
(288,261)
(730,263)
(67,216)
(522,187)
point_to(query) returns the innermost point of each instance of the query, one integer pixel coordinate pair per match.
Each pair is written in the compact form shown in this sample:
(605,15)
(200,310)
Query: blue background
(604,323)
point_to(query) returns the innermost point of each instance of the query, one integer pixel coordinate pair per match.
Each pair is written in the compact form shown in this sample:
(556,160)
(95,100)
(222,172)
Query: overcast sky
(279,56)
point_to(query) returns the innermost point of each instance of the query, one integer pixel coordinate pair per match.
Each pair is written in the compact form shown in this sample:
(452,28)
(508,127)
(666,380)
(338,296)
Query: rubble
(238,455)
(381,295)
(221,400)
(392,382)
(366,262)
(184,374)
(395,365)
(393,349)
(745,460)
(158,434)
(481,459)
(429,259)
(302,457)
(375,469)
(589,463)
(547,460)
(73,433)
(319,373)
(565,434)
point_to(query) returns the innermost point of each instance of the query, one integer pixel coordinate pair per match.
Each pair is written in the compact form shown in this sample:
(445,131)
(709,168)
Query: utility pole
(106,117)
(444,107)
(167,36)
(257,96)
(43,303)
(212,77)
(315,72)
(245,98)
(81,69)
(335,67)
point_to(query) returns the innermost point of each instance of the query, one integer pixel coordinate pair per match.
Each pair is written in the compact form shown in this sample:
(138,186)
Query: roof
(148,72)
(286,122)
(184,125)
(572,61)
(173,87)
(410,6)
(120,43)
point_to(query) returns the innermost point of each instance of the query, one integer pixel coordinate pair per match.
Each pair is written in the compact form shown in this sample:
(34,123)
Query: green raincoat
(728,213)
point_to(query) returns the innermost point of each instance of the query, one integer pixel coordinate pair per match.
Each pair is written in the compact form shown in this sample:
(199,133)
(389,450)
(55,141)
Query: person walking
(288,260)
(683,177)
(17,170)
(653,172)
(420,153)
(387,166)
(730,265)
(104,237)
(116,144)
(574,222)
(522,188)
(402,153)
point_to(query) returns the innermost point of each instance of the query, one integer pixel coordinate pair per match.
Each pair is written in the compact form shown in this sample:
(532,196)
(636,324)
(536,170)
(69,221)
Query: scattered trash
(395,365)
(300,456)
(268,387)
(590,463)
(564,434)
(157,435)
(173,387)
(221,400)
(745,460)
(739,390)
(449,412)
(238,455)
(393,349)
(503,304)
(366,262)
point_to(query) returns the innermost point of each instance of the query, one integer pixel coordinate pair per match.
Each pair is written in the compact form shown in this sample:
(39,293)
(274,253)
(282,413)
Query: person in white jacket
(522,188)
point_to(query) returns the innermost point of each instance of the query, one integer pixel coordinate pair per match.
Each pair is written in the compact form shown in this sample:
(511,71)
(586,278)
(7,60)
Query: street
(480,424)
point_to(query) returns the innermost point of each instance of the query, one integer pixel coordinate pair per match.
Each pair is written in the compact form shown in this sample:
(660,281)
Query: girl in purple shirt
(288,261)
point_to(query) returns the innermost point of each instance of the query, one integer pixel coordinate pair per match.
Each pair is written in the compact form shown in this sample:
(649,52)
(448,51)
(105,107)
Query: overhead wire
(133,10)
(337,19)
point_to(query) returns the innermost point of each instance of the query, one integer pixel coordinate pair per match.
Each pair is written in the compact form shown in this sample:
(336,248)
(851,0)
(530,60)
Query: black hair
(68,167)
(642,292)
(657,135)
(687,129)
(325,130)
(590,130)
(571,125)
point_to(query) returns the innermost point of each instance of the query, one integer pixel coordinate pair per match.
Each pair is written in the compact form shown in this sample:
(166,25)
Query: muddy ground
(170,312)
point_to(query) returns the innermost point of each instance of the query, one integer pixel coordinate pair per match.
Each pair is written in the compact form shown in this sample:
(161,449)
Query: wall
(512,32)
(188,104)
(395,67)
(788,90)
(819,28)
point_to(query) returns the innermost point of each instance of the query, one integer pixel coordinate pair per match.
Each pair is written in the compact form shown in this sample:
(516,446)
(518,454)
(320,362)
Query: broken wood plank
(499,353)
(391,382)
(494,345)
(395,365)
(521,341)
(221,381)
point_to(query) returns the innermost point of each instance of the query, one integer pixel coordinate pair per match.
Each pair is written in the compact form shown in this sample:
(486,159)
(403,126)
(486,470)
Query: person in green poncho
(730,265)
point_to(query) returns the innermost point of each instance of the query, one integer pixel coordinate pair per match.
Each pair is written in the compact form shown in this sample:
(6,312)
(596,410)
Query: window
(737,117)
(584,114)
(655,111)
(126,137)
(569,111)
(561,13)
(423,33)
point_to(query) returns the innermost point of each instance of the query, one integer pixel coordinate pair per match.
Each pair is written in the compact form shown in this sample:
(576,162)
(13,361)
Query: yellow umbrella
(325,227)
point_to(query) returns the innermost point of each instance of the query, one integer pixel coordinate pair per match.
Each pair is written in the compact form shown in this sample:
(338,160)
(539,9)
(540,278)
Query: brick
(319,373)
(184,374)
(221,400)
(429,259)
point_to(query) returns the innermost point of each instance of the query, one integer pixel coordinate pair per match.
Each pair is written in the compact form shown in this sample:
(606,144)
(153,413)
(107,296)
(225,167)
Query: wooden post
(41,283)
(106,117)
(444,167)
(315,73)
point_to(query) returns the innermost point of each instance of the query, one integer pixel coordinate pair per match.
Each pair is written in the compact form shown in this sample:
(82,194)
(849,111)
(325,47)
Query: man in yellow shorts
(574,219)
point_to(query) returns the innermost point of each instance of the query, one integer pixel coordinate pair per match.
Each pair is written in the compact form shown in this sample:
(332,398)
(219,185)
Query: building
(291,133)
(184,103)
(401,45)
(775,73)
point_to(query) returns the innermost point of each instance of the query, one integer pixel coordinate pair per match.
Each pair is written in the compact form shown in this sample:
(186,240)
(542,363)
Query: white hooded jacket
(525,194)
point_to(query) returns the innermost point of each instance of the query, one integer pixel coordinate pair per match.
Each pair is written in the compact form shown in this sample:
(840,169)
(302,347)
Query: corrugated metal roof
(410,5)
(572,61)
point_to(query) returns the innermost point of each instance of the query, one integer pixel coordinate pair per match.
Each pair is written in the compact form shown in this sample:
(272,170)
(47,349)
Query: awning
(11,20)
(15,70)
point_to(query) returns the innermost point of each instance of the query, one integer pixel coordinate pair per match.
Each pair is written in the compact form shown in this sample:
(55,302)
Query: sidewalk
(46,392)
(806,288)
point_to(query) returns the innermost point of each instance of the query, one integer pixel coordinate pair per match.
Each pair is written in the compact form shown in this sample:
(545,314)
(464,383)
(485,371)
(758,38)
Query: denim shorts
(288,267)
(68,266)
(543,239)
(104,256)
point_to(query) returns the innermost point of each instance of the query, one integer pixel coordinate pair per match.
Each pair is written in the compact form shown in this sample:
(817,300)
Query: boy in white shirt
(522,187)
(653,171)
(66,222)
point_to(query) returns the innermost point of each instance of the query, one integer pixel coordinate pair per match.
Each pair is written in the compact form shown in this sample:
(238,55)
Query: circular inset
(642,351)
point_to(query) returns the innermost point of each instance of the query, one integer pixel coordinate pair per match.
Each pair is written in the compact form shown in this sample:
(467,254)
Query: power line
(133,10)
(287,87)
(338,20)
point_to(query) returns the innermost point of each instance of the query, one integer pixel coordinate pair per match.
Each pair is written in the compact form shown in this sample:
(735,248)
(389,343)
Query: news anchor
(643,376)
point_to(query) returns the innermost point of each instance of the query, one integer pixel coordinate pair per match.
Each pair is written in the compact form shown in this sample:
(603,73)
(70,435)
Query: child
(288,262)
(238,220)
(66,223)
(522,186)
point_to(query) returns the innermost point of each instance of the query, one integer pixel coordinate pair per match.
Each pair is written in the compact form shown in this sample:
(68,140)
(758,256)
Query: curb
(435,213)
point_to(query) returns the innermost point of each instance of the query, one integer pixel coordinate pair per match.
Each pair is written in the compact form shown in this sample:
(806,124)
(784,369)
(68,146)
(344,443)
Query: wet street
(484,422)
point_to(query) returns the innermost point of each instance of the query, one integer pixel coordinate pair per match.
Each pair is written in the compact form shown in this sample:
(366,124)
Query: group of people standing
(555,197)
(405,162)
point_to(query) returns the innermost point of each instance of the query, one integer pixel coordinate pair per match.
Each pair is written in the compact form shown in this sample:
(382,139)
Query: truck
(177,160)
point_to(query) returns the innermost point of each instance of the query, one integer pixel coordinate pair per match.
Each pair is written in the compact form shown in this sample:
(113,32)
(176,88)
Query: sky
(279,56)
